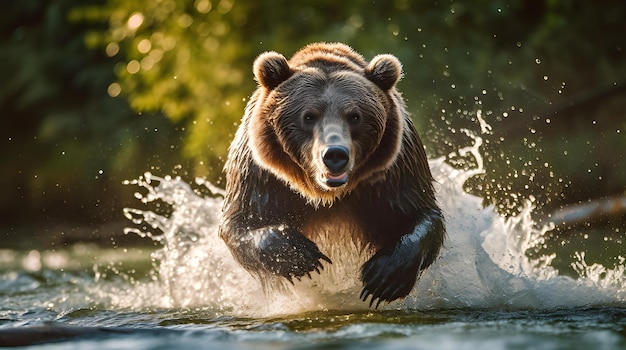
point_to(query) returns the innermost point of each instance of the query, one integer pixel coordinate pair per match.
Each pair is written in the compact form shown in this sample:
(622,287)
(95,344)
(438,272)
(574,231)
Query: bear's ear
(271,69)
(384,71)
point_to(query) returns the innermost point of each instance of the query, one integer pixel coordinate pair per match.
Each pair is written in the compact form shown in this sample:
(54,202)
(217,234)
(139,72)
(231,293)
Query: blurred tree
(100,90)
(510,60)
(183,58)
(66,144)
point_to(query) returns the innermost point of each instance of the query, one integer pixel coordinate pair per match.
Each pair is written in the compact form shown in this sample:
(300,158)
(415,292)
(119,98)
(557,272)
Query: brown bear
(326,140)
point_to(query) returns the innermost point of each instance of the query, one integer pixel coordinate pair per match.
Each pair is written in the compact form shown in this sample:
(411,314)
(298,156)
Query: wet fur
(274,209)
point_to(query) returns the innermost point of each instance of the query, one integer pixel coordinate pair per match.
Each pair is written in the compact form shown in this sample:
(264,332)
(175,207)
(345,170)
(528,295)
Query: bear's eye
(354,118)
(309,117)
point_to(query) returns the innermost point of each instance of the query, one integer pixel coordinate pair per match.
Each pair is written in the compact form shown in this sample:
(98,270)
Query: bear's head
(326,120)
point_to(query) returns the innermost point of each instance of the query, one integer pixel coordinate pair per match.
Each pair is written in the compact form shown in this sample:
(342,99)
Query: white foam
(483,263)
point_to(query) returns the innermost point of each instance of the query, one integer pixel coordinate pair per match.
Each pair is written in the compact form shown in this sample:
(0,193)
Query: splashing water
(483,262)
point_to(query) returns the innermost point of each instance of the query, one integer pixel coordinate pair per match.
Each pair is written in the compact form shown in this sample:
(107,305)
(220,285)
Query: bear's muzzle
(336,159)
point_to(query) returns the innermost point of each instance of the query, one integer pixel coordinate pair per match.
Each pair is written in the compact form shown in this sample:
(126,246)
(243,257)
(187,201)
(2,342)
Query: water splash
(194,267)
(483,263)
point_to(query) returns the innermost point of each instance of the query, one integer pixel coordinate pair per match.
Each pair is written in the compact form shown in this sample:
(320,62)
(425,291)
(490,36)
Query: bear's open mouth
(335,180)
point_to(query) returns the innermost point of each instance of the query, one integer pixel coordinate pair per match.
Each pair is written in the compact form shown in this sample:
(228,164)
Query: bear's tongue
(337,180)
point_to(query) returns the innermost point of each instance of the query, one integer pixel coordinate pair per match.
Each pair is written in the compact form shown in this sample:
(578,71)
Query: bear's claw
(391,273)
(387,277)
(288,253)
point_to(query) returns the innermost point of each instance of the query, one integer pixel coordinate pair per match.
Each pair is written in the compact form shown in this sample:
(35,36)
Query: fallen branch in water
(593,210)
(47,332)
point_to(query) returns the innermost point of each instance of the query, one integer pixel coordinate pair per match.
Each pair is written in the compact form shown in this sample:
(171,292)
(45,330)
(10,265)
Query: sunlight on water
(483,263)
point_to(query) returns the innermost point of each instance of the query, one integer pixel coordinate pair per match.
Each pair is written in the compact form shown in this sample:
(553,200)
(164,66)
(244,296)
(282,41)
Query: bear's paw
(387,276)
(391,273)
(288,253)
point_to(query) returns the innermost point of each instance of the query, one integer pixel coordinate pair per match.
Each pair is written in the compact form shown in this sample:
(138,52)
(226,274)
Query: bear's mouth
(335,180)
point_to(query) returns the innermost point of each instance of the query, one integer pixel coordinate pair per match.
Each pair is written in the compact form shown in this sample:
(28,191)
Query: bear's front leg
(286,252)
(279,250)
(392,272)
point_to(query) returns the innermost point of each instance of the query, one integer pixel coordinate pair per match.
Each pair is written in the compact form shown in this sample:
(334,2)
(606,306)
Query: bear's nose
(335,158)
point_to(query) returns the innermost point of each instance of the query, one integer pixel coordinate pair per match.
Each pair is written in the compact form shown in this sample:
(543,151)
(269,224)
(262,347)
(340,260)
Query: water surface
(483,292)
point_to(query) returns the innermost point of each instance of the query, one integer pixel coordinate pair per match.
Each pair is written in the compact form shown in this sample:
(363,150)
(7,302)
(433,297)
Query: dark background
(97,92)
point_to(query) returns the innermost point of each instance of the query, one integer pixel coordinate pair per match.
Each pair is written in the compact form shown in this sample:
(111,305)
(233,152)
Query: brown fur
(281,188)
(320,62)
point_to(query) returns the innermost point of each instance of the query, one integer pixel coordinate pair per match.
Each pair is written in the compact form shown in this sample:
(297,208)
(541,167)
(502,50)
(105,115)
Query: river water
(188,292)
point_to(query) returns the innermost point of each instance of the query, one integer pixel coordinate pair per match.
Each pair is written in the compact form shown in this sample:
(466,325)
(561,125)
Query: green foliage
(184,59)
(511,60)
(66,144)
(101,90)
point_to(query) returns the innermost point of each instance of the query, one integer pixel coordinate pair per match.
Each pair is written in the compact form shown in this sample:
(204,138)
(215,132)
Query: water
(483,292)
